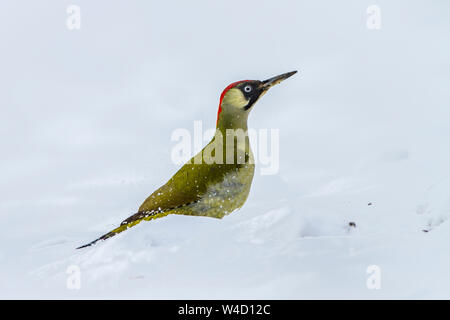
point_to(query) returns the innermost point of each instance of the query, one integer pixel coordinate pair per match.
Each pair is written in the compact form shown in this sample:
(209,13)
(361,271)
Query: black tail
(103,237)
(128,223)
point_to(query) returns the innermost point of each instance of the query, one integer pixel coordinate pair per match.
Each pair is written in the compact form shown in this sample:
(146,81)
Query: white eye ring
(248,88)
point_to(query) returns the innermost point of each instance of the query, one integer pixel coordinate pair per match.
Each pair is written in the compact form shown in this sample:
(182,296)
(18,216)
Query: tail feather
(128,223)
(103,237)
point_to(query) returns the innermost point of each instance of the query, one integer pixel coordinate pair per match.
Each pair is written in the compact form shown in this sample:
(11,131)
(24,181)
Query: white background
(85,126)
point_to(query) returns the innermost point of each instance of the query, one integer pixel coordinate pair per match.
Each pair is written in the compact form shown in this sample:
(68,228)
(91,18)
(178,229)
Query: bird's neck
(232,122)
(232,137)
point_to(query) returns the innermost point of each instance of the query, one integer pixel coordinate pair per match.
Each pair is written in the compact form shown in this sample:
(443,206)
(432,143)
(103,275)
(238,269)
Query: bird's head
(238,98)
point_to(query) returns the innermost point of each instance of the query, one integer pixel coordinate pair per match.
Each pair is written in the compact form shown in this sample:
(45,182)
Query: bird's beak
(269,83)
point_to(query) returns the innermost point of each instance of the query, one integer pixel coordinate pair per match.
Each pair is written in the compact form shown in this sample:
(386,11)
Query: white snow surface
(87,117)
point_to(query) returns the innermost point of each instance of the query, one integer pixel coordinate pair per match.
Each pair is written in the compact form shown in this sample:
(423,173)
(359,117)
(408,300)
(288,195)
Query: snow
(87,119)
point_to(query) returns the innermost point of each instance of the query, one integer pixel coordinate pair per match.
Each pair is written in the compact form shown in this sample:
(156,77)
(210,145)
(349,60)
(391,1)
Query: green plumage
(217,180)
(198,188)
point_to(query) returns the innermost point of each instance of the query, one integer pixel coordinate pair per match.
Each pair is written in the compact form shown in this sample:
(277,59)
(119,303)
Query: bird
(217,180)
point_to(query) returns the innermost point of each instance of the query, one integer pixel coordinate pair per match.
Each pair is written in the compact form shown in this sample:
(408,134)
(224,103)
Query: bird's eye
(248,88)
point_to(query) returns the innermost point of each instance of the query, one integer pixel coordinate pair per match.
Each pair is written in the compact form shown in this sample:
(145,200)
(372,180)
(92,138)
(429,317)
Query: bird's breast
(223,197)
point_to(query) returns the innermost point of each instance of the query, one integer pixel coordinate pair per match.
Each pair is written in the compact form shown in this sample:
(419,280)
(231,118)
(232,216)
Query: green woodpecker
(217,180)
